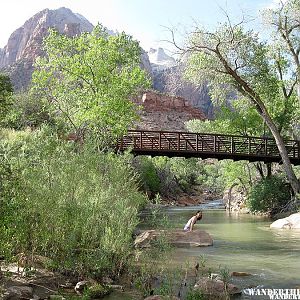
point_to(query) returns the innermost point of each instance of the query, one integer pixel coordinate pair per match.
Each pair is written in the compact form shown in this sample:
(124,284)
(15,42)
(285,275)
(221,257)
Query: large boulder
(290,222)
(177,238)
(215,288)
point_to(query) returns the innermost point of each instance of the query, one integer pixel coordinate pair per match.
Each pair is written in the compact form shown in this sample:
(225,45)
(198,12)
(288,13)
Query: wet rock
(177,238)
(240,274)
(18,292)
(290,222)
(215,287)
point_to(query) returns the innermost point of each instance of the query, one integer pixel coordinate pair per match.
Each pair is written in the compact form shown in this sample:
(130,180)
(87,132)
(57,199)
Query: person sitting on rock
(191,222)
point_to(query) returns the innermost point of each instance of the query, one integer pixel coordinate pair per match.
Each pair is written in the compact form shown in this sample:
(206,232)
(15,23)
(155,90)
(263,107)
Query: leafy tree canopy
(233,59)
(253,64)
(88,80)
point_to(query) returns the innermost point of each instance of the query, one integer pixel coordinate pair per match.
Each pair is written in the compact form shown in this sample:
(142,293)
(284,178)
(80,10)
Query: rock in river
(215,287)
(291,222)
(177,238)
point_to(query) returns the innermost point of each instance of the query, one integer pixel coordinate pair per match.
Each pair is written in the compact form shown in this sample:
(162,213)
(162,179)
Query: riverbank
(196,196)
(243,244)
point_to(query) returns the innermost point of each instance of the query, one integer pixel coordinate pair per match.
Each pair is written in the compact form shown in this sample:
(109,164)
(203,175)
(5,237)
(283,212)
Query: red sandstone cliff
(164,112)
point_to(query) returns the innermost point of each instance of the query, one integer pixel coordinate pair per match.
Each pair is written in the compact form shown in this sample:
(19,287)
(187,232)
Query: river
(242,243)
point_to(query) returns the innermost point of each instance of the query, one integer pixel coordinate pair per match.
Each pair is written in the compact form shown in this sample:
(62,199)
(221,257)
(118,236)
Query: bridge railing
(164,141)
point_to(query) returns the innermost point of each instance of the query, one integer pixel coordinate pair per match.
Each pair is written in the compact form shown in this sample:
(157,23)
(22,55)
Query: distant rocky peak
(160,59)
(25,42)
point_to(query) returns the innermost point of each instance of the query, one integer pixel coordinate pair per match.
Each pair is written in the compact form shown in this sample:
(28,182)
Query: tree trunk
(260,170)
(269,169)
(295,184)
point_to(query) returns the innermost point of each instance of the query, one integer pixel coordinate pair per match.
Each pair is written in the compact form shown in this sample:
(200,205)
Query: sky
(145,20)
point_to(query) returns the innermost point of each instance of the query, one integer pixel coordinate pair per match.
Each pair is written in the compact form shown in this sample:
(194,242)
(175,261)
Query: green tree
(88,81)
(239,118)
(269,195)
(6,91)
(234,59)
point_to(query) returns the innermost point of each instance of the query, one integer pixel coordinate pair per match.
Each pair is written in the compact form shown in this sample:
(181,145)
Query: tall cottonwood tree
(88,80)
(234,59)
(285,22)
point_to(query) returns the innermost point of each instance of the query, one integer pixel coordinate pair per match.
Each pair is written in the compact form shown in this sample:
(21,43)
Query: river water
(242,243)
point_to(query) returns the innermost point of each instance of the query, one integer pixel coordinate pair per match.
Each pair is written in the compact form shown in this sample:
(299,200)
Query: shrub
(97,291)
(148,175)
(194,295)
(269,195)
(72,204)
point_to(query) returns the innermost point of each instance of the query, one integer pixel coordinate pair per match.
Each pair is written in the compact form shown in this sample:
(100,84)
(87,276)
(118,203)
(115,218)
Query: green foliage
(73,205)
(269,195)
(240,172)
(96,291)
(88,81)
(224,173)
(167,176)
(177,174)
(168,184)
(6,91)
(185,171)
(239,118)
(234,60)
(193,294)
(168,283)
(283,20)
(210,176)
(27,111)
(148,174)
(225,277)
(156,218)
(244,53)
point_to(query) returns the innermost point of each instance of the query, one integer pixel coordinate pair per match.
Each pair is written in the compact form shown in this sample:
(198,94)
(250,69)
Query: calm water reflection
(244,243)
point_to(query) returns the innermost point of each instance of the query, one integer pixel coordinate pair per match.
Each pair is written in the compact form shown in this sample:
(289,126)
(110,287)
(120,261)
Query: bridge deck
(203,145)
